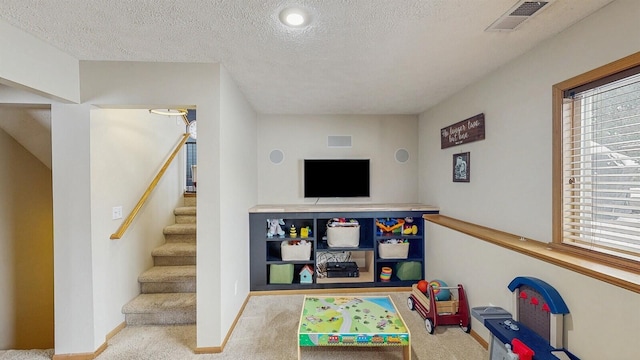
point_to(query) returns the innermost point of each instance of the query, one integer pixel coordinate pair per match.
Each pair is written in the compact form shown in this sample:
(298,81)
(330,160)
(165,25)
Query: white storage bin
(393,251)
(295,252)
(343,236)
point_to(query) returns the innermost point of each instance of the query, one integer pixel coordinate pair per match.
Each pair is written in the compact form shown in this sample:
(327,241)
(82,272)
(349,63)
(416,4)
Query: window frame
(558,91)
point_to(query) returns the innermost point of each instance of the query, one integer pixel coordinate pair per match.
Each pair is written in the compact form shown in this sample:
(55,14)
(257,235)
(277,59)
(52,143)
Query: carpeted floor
(267,330)
(26,354)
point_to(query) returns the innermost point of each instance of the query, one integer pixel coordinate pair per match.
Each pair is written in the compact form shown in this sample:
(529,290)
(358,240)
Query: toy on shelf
(389,226)
(453,311)
(292,231)
(385,274)
(275,227)
(409,228)
(306,275)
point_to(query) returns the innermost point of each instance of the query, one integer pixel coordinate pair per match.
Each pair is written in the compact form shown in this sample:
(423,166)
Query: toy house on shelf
(306,275)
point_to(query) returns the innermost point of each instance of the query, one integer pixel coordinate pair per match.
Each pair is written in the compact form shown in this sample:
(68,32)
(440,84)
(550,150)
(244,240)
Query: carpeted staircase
(168,289)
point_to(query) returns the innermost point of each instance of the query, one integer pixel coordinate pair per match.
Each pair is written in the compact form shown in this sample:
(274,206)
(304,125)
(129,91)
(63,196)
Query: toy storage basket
(280,273)
(393,251)
(295,252)
(343,236)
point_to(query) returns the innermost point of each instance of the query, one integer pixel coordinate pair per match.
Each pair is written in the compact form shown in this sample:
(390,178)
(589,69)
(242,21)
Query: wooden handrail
(121,230)
(623,278)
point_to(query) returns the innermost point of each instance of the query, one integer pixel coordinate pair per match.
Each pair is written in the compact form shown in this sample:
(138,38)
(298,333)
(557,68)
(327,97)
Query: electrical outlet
(116,212)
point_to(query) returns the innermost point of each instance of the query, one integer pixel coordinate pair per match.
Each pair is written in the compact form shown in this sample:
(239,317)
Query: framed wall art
(462,132)
(461,167)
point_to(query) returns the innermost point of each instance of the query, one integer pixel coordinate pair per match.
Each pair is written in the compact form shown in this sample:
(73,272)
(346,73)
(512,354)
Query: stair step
(190,200)
(180,229)
(185,215)
(185,210)
(161,309)
(168,279)
(180,233)
(172,254)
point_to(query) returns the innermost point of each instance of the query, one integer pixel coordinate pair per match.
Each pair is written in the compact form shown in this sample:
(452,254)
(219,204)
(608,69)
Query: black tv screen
(336,178)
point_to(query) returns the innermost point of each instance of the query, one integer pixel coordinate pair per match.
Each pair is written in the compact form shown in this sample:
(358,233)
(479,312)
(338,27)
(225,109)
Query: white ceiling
(355,57)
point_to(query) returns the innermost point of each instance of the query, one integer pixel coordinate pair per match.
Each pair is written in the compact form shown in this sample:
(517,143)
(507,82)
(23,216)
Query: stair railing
(125,225)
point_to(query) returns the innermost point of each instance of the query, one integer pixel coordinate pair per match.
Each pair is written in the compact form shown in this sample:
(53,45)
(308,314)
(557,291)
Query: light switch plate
(116,212)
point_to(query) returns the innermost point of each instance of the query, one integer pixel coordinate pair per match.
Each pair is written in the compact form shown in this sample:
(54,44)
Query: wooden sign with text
(465,131)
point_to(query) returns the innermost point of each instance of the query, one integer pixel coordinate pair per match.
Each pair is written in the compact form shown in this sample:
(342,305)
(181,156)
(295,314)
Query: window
(597,163)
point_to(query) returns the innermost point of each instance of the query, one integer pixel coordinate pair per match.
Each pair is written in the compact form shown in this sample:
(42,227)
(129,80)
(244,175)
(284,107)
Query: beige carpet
(267,330)
(26,354)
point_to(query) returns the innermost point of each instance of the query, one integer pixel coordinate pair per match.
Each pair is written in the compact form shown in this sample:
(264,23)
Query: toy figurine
(275,227)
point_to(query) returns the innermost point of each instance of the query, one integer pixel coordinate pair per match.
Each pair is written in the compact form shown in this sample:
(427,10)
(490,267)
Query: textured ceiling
(355,57)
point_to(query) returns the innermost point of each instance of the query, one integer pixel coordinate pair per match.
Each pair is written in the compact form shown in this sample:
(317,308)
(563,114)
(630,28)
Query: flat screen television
(336,178)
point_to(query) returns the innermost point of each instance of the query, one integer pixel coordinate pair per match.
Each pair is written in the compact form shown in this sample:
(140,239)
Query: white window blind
(601,167)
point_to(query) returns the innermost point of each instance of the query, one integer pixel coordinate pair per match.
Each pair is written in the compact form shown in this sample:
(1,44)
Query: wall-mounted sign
(465,131)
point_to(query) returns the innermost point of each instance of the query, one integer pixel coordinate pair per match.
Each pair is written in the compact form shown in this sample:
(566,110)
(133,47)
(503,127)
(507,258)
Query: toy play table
(352,321)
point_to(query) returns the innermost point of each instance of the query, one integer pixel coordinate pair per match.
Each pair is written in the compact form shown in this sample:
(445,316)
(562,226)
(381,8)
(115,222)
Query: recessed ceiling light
(294,17)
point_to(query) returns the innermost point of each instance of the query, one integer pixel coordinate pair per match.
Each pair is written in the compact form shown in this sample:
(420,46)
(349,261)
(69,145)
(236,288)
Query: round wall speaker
(276,156)
(402,156)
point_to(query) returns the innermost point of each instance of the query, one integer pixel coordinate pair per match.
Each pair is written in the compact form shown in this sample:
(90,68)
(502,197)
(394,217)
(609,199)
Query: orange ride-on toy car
(434,313)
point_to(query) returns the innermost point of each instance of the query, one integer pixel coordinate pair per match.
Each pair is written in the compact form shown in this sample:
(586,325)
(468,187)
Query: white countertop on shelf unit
(340,208)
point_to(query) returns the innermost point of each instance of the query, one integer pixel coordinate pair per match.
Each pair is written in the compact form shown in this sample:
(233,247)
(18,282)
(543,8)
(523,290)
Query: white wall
(29,63)
(511,168)
(31,127)
(238,179)
(73,270)
(510,186)
(375,137)
(128,148)
(26,249)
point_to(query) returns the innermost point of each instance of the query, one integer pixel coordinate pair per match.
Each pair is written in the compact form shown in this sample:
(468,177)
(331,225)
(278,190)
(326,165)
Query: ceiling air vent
(518,14)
